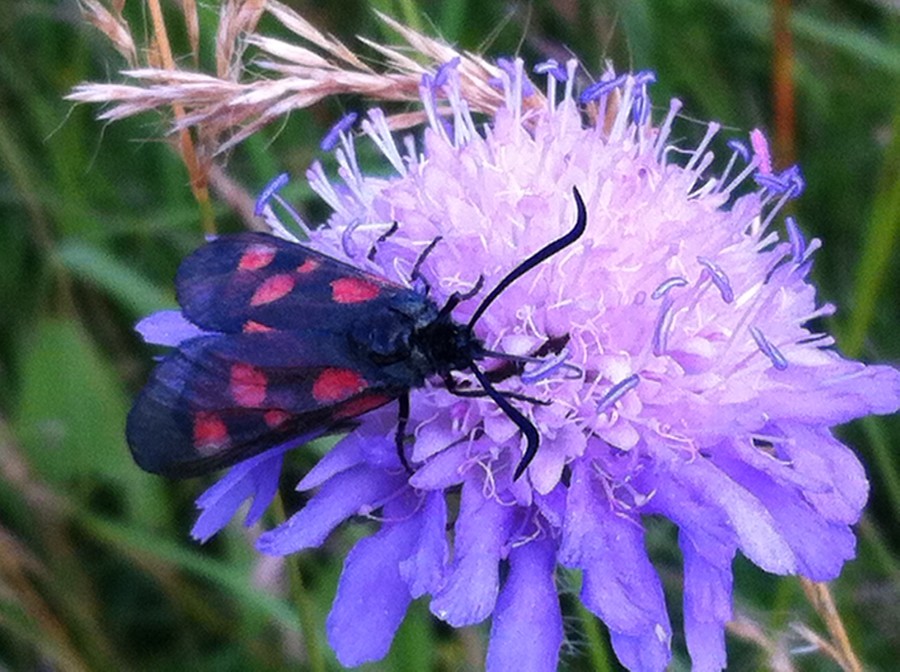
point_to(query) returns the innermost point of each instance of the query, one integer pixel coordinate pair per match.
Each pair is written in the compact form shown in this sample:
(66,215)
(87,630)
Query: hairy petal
(707,607)
(482,531)
(527,629)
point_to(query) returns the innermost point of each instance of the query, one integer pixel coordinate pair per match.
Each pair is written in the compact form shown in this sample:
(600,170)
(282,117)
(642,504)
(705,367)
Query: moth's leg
(453,388)
(417,267)
(402,421)
(457,297)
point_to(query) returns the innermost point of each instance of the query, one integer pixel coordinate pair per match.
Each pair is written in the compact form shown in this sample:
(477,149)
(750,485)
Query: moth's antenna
(541,255)
(524,424)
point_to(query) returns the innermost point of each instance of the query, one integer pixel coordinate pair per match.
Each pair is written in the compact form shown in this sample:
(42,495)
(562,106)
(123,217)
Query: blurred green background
(97,571)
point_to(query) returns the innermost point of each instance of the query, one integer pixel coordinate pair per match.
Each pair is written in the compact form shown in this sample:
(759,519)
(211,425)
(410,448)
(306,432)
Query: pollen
(335,385)
(272,289)
(248,385)
(353,290)
(256,257)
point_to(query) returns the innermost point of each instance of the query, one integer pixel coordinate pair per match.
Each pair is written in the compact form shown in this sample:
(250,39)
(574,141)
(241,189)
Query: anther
(720,280)
(553,68)
(663,324)
(342,126)
(668,285)
(548,366)
(269,191)
(617,391)
(769,350)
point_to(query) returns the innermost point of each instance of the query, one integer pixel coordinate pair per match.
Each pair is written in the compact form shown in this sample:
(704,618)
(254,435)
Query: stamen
(443,72)
(789,181)
(640,110)
(426,94)
(546,367)
(516,76)
(552,68)
(665,129)
(711,131)
(377,129)
(347,243)
(719,278)
(795,235)
(769,350)
(699,169)
(263,209)
(620,123)
(663,325)
(785,197)
(320,183)
(616,391)
(331,138)
(644,77)
(761,151)
(739,148)
(571,67)
(601,88)
(743,175)
(667,285)
(269,191)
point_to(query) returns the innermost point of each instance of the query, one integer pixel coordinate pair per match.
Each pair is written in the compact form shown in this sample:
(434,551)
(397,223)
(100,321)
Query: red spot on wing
(272,289)
(361,405)
(276,417)
(335,385)
(353,290)
(254,327)
(307,266)
(256,257)
(247,385)
(210,433)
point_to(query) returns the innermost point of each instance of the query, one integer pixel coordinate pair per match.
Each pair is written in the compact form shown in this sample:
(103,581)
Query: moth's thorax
(411,340)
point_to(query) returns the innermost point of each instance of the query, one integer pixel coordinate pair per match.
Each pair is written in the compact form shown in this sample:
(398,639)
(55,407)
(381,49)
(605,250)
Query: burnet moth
(300,342)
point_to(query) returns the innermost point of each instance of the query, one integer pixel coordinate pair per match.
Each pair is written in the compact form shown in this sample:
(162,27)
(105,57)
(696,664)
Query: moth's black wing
(255,282)
(220,399)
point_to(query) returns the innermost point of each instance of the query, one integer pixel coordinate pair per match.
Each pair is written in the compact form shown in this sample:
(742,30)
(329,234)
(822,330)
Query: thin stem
(199,181)
(305,605)
(820,597)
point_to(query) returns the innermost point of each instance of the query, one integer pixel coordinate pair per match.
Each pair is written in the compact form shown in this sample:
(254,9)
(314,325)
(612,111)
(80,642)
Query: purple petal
(820,547)
(444,470)
(707,607)
(701,498)
(168,327)
(831,391)
(343,496)
(372,596)
(527,628)
(482,530)
(256,477)
(423,570)
(344,455)
(620,585)
(817,453)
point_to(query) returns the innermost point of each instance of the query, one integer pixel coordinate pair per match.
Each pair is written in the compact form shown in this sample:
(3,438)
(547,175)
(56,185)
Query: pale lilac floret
(692,386)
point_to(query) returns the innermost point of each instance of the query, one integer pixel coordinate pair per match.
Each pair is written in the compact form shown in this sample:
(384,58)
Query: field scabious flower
(704,396)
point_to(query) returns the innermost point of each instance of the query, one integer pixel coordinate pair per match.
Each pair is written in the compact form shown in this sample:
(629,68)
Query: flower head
(674,349)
